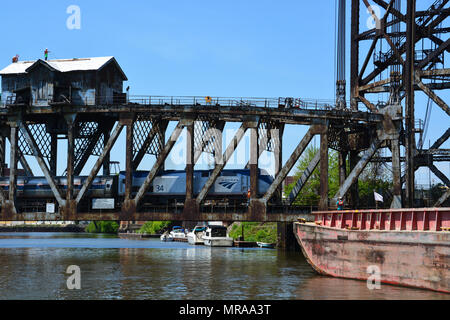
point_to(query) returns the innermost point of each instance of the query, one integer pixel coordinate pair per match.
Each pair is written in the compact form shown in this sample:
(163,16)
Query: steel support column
(14,138)
(190,161)
(396,175)
(129,160)
(254,155)
(323,202)
(107,160)
(342,167)
(354,189)
(408,83)
(354,55)
(2,154)
(70,157)
(277,136)
(53,153)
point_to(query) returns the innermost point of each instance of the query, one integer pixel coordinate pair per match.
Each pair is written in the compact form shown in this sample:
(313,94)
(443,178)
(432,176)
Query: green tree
(154,227)
(102,227)
(373,178)
(310,194)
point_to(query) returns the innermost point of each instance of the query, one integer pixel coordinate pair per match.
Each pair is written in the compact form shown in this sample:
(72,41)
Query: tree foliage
(102,227)
(310,194)
(255,231)
(154,227)
(373,178)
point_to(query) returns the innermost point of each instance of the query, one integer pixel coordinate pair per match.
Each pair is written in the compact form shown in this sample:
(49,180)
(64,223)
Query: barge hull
(418,259)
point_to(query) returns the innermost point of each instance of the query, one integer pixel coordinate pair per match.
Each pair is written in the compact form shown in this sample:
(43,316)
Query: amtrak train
(166,186)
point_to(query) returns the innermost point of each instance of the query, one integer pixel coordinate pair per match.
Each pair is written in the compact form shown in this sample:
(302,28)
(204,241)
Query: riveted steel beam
(222,162)
(38,156)
(102,127)
(303,179)
(154,131)
(159,161)
(433,96)
(441,140)
(106,150)
(298,151)
(443,198)
(439,174)
(359,167)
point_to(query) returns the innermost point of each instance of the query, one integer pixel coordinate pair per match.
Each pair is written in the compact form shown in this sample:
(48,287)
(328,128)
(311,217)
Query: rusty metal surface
(415,259)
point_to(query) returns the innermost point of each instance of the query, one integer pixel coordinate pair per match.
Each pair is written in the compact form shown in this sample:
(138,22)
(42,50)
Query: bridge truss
(357,132)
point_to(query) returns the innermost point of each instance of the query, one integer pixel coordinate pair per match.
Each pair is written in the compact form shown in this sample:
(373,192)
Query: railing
(425,219)
(199,101)
(236,102)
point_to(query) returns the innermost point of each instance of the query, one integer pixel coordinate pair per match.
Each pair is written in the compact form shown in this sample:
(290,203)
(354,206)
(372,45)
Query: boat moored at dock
(408,247)
(195,237)
(217,236)
(266,245)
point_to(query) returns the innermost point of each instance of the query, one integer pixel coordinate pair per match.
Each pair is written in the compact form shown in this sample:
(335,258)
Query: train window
(205,174)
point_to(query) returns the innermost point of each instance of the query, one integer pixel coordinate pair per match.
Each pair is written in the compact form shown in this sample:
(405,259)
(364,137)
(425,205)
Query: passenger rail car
(230,184)
(38,187)
(166,187)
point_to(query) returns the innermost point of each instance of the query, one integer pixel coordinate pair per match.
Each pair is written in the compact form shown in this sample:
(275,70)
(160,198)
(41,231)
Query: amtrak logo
(227,184)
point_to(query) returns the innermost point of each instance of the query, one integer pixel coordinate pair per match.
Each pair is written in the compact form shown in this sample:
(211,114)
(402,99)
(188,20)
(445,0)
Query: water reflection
(33,266)
(321,287)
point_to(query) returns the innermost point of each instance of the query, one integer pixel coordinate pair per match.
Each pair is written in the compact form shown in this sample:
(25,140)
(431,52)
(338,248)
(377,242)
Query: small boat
(177,234)
(266,245)
(165,237)
(216,236)
(195,237)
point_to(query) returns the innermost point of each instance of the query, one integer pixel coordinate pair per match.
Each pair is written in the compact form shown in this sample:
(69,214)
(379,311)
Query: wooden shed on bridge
(84,81)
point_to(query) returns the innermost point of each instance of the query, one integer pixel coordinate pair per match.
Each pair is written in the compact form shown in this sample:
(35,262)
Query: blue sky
(227,48)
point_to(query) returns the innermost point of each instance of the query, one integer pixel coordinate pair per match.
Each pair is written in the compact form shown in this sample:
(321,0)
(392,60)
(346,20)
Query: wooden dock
(245,244)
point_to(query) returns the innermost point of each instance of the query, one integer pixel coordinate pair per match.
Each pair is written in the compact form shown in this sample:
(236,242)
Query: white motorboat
(217,236)
(195,237)
(178,234)
(165,237)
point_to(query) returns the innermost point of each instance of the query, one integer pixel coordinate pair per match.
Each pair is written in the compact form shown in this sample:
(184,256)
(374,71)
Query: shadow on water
(33,266)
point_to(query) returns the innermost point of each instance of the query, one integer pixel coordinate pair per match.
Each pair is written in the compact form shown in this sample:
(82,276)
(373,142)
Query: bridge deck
(227,109)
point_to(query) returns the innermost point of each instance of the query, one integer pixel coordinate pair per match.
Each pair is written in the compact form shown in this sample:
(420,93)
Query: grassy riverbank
(255,231)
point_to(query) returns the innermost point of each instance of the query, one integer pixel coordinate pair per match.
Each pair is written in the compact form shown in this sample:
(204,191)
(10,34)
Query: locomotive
(167,186)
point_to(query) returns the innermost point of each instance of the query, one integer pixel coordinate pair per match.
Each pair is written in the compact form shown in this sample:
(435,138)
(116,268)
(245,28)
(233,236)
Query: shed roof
(63,65)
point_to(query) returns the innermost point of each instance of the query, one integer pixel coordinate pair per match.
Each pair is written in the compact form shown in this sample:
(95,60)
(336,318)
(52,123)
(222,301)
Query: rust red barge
(410,247)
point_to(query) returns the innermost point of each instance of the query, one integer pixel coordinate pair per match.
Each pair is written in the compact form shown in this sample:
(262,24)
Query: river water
(34,265)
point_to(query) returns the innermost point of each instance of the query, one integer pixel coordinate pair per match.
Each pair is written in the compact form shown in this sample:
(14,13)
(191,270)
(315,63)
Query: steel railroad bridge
(95,129)
(356,130)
